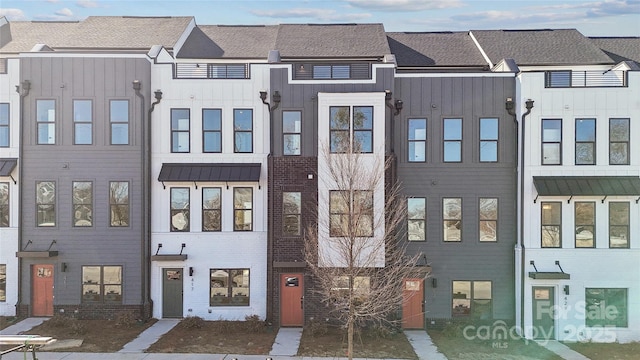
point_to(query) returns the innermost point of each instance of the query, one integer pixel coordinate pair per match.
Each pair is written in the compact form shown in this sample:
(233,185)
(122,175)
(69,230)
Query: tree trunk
(350,340)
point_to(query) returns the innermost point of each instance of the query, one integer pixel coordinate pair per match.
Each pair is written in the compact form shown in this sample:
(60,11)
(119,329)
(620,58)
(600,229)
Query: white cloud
(87,4)
(404,5)
(53,1)
(65,12)
(13,14)
(318,14)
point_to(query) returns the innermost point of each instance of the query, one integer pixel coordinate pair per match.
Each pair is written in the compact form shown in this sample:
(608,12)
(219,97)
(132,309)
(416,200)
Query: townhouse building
(456,156)
(577,264)
(210,143)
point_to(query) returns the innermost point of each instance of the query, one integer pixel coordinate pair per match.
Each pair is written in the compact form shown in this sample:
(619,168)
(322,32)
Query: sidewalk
(561,350)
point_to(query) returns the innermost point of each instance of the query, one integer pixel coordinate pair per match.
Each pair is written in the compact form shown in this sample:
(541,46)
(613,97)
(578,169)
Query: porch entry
(172,292)
(543,313)
(291,299)
(413,304)
(42,290)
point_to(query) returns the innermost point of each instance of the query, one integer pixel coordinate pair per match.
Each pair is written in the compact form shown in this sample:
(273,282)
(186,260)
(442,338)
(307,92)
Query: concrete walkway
(149,336)
(561,350)
(423,346)
(22,326)
(287,342)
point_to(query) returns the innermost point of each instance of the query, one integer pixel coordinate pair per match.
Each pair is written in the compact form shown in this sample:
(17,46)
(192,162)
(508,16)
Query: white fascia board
(529,68)
(183,37)
(83,55)
(456,75)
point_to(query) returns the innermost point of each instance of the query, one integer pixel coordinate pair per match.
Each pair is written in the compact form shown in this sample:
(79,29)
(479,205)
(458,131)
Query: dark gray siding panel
(469,98)
(100,80)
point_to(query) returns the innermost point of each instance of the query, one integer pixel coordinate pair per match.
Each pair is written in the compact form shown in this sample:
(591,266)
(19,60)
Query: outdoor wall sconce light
(63,267)
(434,282)
(275,98)
(190,271)
(509,105)
(399,104)
(566,289)
(158,95)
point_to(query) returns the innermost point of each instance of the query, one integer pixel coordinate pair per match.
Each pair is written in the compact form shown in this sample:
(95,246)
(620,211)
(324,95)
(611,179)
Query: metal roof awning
(6,167)
(549,275)
(587,185)
(210,172)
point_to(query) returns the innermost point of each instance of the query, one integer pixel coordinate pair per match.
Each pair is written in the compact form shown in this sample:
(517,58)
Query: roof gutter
(23,91)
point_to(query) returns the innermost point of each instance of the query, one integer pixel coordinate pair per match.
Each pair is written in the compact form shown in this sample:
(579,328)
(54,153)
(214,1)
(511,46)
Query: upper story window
(452,136)
(417,140)
(211,130)
(351,129)
(585,78)
(4,125)
(585,141)
(243,130)
(488,209)
(180,124)
(46,121)
(119,203)
(46,203)
(551,224)
(82,203)
(452,219)
(4,204)
(619,141)
(211,71)
(242,209)
(335,71)
(82,122)
(211,209)
(3,284)
(551,141)
(417,219)
(585,223)
(488,139)
(180,220)
(291,132)
(119,120)
(619,224)
(351,213)
(291,213)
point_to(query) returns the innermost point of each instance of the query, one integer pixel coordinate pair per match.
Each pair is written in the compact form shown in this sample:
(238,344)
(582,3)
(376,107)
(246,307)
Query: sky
(590,17)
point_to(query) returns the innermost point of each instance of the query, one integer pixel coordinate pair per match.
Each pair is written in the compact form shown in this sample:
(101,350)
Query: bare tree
(356,252)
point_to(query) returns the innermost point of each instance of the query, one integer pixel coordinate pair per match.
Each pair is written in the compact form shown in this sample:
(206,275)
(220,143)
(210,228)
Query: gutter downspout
(23,91)
(270,236)
(529,106)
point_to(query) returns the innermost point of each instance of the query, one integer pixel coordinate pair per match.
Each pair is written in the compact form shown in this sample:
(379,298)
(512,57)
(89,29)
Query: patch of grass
(609,351)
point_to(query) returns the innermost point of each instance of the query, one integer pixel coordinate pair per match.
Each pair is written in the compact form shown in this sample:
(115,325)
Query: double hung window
(4,204)
(46,121)
(291,213)
(417,219)
(585,141)
(551,141)
(291,130)
(417,140)
(211,209)
(619,221)
(180,124)
(350,213)
(243,130)
(488,219)
(4,125)
(180,220)
(351,129)
(452,219)
(619,141)
(46,203)
(488,139)
(585,223)
(551,224)
(242,209)
(452,137)
(212,130)
(119,203)
(82,122)
(119,119)
(82,203)
(3,283)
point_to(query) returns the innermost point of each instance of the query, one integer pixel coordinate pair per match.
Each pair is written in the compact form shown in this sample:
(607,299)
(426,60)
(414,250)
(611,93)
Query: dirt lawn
(6,321)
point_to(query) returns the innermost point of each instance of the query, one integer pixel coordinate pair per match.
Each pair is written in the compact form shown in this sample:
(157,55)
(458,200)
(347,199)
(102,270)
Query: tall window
(585,141)
(291,213)
(488,139)
(606,307)
(119,203)
(82,203)
(452,219)
(4,204)
(351,131)
(351,213)
(242,209)
(452,136)
(619,141)
(472,299)
(551,141)
(229,287)
(3,283)
(417,140)
(102,284)
(551,224)
(119,120)
(180,124)
(488,219)
(46,121)
(417,219)
(585,223)
(211,209)
(618,224)
(180,209)
(4,125)
(243,130)
(211,130)
(46,203)
(82,122)
(291,130)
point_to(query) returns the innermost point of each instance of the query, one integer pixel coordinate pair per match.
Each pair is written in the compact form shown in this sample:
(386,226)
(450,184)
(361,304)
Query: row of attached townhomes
(169,169)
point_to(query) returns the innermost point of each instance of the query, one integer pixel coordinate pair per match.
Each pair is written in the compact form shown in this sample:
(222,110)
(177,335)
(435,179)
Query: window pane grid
(102,284)
(4,125)
(551,141)
(180,123)
(82,122)
(211,209)
(291,130)
(619,141)
(82,203)
(551,224)
(452,136)
(488,219)
(417,219)
(46,203)
(4,204)
(119,203)
(619,221)
(291,213)
(472,299)
(243,130)
(211,130)
(585,221)
(229,287)
(243,209)
(417,140)
(180,204)
(488,140)
(46,121)
(585,141)
(452,219)
(606,307)
(119,119)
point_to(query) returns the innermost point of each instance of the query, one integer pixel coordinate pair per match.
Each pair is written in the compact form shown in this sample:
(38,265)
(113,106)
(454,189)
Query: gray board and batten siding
(99,80)
(469,98)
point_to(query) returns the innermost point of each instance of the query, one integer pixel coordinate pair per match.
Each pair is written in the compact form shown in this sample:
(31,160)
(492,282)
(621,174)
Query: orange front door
(42,290)
(291,299)
(412,310)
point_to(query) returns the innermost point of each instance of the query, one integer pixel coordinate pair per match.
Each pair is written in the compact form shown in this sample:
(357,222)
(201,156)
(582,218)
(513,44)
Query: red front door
(42,290)
(412,310)
(291,299)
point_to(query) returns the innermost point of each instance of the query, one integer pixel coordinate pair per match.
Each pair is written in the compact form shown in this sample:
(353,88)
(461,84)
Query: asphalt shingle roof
(434,49)
(619,48)
(211,41)
(540,47)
